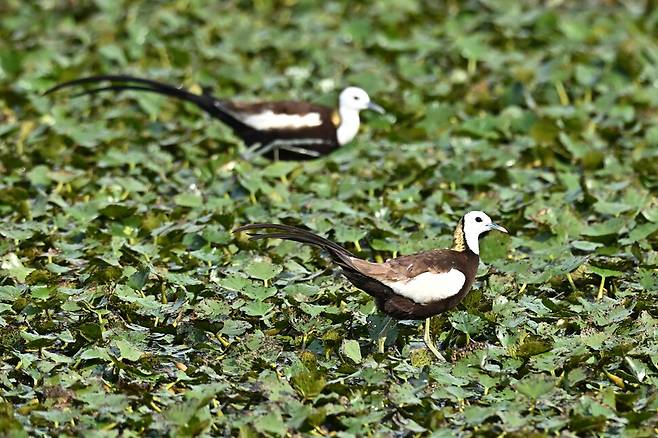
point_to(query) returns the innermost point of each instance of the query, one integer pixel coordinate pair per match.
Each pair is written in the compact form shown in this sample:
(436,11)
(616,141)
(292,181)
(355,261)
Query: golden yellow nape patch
(335,119)
(458,242)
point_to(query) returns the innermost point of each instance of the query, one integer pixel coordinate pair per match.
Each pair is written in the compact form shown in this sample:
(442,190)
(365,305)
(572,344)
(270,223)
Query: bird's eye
(478,219)
(356,97)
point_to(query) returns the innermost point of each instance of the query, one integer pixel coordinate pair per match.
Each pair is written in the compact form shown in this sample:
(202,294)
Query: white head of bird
(351,101)
(475,224)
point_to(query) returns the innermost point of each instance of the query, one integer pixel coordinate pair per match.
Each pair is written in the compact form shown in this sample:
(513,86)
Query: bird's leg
(257,149)
(298,150)
(381,336)
(260,149)
(430,343)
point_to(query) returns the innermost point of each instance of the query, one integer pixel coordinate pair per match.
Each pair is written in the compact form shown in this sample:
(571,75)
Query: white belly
(430,286)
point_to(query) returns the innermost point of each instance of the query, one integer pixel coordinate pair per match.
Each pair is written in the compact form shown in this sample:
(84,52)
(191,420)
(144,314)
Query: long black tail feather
(338,254)
(115,88)
(109,78)
(207,103)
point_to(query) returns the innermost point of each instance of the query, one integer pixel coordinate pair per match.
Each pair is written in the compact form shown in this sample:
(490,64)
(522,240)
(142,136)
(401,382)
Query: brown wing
(406,267)
(401,307)
(299,125)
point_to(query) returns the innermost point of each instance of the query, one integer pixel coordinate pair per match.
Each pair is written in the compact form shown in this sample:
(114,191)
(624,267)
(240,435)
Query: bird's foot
(430,343)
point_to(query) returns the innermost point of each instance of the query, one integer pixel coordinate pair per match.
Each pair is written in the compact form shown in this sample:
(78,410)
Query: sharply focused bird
(285,130)
(415,286)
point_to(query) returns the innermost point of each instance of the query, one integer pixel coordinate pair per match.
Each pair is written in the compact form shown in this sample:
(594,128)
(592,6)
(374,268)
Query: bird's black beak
(376,108)
(495,226)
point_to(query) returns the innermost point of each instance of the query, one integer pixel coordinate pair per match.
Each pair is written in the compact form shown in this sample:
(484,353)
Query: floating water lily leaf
(437,117)
(307,383)
(257,292)
(235,328)
(602,272)
(55,357)
(117,211)
(138,280)
(535,387)
(10,293)
(279,169)
(612,226)
(404,395)
(127,350)
(346,234)
(180,278)
(639,233)
(192,200)
(271,423)
(351,349)
(234,282)
(263,270)
(639,369)
(467,323)
(257,308)
(585,245)
(478,414)
(651,214)
(213,309)
(15,268)
(301,291)
(614,208)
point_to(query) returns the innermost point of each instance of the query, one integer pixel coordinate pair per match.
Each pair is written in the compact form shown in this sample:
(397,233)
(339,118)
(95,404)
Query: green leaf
(59,358)
(257,308)
(9,424)
(279,169)
(15,268)
(137,281)
(609,227)
(271,423)
(234,282)
(467,323)
(404,395)
(263,270)
(95,353)
(535,387)
(128,351)
(235,328)
(602,272)
(347,234)
(308,384)
(256,292)
(351,349)
(191,200)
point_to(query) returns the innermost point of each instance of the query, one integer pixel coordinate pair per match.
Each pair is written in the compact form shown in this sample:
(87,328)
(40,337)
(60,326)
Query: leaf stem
(562,93)
(523,287)
(601,288)
(571,282)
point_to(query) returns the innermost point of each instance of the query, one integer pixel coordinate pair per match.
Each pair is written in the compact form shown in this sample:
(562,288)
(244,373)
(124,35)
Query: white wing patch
(271,120)
(430,286)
